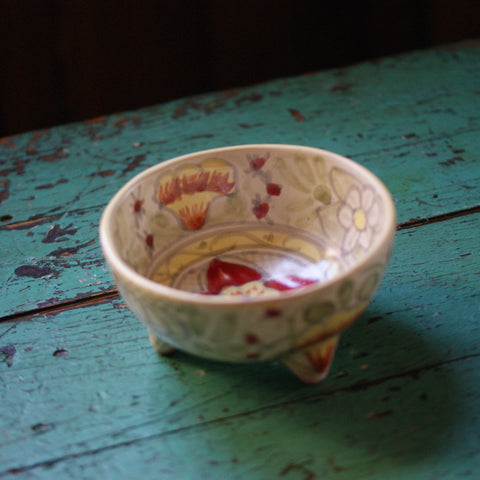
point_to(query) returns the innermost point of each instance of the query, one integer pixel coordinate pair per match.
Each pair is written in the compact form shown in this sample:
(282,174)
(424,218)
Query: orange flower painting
(189,191)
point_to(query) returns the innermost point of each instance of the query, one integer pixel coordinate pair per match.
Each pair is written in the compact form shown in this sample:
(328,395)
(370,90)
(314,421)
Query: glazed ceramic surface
(249,253)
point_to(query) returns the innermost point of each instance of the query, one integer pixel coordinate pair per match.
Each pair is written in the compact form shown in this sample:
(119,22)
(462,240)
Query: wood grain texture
(85,394)
(412,119)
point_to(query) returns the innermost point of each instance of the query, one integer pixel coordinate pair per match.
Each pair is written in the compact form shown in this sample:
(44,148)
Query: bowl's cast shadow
(389,396)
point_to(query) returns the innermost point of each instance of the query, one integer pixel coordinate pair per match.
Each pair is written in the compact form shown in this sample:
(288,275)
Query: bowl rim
(116,263)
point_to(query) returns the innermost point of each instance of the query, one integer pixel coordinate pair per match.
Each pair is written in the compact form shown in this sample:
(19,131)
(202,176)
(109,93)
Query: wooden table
(83,394)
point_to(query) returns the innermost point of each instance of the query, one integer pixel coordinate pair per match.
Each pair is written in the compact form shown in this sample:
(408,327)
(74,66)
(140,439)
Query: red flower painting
(221,275)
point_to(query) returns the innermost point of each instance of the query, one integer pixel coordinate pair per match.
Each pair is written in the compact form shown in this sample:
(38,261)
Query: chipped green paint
(403,389)
(421,141)
(84,395)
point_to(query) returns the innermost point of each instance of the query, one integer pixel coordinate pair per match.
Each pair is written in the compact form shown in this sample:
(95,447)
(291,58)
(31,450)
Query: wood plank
(50,263)
(412,106)
(57,258)
(83,389)
(447,163)
(402,428)
(58,254)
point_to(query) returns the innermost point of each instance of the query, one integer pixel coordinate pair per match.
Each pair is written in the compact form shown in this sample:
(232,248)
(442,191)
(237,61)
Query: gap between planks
(112,294)
(91,299)
(419,222)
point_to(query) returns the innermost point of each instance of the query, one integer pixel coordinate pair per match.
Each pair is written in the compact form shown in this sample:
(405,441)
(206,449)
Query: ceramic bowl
(250,253)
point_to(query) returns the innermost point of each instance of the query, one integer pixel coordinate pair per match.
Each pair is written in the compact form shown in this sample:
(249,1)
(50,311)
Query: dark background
(68,60)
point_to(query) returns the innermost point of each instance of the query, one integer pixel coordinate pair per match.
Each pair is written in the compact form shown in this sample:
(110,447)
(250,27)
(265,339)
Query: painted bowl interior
(248,220)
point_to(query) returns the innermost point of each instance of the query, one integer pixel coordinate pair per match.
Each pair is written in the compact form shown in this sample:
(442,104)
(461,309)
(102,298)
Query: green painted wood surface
(413,120)
(403,395)
(83,395)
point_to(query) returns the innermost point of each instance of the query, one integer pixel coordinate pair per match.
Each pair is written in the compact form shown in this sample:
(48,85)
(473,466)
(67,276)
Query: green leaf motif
(300,204)
(341,182)
(368,286)
(323,194)
(288,174)
(233,207)
(303,167)
(345,292)
(161,220)
(318,311)
(320,168)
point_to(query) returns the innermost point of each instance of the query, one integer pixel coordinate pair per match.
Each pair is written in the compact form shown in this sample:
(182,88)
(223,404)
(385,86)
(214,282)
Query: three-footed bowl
(250,253)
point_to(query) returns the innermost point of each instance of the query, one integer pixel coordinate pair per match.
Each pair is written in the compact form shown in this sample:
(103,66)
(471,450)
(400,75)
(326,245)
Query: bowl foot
(312,364)
(160,346)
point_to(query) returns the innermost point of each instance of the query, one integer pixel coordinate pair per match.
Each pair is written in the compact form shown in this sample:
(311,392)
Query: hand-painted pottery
(250,253)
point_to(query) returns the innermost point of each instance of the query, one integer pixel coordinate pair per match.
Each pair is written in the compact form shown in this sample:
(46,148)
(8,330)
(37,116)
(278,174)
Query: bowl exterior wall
(254,331)
(339,207)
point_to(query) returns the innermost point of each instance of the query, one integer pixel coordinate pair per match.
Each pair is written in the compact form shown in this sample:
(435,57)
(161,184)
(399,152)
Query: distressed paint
(412,119)
(403,377)
(62,242)
(85,395)
(410,106)
(311,439)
